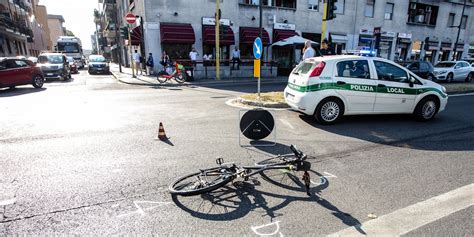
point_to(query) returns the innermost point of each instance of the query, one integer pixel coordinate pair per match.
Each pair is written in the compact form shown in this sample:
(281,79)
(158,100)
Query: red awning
(248,35)
(282,34)
(172,33)
(209,35)
(136,35)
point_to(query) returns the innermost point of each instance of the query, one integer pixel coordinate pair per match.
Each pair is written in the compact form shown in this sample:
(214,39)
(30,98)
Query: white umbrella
(293,40)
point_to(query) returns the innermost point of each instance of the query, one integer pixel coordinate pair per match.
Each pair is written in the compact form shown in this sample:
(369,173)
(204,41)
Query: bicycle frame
(177,71)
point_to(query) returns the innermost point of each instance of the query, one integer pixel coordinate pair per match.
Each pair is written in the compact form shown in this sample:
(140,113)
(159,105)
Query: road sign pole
(131,54)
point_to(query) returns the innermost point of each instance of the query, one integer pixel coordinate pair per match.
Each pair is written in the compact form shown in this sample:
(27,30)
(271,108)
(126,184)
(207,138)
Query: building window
(369,8)
(313,5)
(339,6)
(389,11)
(285,3)
(451,19)
(425,14)
(463,22)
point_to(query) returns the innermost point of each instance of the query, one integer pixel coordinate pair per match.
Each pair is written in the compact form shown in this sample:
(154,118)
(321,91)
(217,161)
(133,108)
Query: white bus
(71,46)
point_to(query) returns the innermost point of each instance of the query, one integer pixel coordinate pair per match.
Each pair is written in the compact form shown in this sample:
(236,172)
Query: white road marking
(458,95)
(141,210)
(276,231)
(329,175)
(7,202)
(284,121)
(412,217)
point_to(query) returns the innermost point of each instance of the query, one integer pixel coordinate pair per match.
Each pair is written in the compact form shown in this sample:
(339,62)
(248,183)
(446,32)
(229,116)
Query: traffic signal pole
(218,49)
(323,25)
(131,54)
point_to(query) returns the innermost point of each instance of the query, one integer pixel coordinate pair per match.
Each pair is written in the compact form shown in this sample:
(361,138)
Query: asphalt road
(79,157)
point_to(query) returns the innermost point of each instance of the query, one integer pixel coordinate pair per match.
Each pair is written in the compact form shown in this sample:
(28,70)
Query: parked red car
(16,72)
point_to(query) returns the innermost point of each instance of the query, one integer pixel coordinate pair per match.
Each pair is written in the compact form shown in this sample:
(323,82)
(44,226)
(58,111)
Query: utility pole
(260,35)
(118,37)
(323,25)
(218,49)
(459,31)
(131,54)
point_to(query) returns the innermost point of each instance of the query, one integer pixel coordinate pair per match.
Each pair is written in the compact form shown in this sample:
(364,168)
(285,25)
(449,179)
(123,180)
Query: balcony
(23,5)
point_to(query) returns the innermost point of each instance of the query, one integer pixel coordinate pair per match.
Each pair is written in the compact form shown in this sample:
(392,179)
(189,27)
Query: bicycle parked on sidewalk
(177,73)
(211,179)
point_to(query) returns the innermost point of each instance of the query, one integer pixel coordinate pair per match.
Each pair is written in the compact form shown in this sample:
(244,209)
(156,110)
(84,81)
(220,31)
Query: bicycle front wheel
(200,182)
(276,160)
(180,78)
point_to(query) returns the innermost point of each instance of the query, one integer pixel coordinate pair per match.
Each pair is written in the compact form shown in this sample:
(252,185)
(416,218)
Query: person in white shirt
(193,56)
(137,59)
(309,51)
(236,58)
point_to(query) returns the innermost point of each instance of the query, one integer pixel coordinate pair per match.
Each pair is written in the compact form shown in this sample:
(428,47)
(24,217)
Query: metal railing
(209,65)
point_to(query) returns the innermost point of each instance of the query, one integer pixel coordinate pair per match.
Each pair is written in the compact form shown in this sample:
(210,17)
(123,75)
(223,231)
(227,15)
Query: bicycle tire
(180,78)
(276,160)
(174,188)
(162,79)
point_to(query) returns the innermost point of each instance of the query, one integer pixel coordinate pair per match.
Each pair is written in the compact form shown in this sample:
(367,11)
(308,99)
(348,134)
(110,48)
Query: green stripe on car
(364,88)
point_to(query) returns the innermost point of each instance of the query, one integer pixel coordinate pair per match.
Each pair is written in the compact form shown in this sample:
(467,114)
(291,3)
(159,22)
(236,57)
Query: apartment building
(15,27)
(41,14)
(411,29)
(56,28)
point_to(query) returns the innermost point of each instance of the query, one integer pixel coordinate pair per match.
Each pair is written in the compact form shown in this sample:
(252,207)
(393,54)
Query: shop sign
(433,45)
(460,47)
(404,36)
(284,26)
(446,46)
(366,32)
(388,34)
(211,21)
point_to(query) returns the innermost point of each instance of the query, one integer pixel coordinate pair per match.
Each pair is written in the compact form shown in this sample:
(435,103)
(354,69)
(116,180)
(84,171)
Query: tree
(69,33)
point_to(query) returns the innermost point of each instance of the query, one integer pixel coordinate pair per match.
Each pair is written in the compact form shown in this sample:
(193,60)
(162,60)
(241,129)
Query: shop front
(386,43)
(284,56)
(445,52)
(459,51)
(432,49)
(403,46)
(338,42)
(209,38)
(177,39)
(366,39)
(247,36)
(471,51)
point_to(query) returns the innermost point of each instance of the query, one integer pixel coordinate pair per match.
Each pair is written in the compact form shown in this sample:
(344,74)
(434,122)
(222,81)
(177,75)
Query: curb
(272,105)
(460,92)
(217,83)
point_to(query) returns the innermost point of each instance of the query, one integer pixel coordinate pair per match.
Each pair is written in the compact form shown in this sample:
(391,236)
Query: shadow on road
(19,91)
(236,201)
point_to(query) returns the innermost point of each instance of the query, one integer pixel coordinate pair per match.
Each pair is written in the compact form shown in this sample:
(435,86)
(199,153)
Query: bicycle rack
(257,123)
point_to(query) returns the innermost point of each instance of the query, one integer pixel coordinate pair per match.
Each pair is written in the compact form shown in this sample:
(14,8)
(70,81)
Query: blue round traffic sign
(257,48)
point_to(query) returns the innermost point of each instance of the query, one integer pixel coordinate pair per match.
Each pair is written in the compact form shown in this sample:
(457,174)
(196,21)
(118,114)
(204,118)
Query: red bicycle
(178,74)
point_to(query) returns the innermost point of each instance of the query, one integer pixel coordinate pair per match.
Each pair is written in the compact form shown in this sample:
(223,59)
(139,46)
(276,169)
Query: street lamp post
(459,31)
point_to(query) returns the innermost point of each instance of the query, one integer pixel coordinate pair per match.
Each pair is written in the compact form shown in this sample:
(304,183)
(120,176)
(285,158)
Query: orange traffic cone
(161,133)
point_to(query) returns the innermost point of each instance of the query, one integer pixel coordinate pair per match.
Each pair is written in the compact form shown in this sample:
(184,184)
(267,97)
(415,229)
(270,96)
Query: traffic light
(124,32)
(331,7)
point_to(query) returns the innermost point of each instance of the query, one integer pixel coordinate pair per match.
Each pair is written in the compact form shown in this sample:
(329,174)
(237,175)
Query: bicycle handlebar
(298,153)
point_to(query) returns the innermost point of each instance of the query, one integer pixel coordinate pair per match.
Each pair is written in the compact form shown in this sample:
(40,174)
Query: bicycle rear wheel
(200,182)
(162,79)
(276,160)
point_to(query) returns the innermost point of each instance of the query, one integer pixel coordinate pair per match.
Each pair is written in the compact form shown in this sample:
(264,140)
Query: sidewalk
(142,80)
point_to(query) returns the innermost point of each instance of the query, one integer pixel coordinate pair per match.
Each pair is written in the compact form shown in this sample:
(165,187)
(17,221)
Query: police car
(332,86)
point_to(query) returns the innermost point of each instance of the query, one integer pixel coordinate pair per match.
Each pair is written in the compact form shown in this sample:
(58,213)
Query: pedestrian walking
(137,58)
(236,58)
(150,63)
(308,50)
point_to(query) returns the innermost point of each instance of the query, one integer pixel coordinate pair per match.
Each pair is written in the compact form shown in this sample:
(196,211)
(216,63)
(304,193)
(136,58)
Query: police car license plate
(49,74)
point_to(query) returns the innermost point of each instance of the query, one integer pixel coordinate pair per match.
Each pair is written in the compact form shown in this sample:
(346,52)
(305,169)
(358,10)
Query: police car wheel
(329,111)
(426,109)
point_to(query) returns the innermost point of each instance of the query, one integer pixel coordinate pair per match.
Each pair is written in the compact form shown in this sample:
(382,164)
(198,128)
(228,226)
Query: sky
(78,16)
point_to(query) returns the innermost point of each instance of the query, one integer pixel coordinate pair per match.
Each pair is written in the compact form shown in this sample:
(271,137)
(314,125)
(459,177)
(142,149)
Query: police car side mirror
(411,81)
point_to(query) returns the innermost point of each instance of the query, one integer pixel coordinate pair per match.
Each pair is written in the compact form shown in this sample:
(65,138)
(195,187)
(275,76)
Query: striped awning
(172,33)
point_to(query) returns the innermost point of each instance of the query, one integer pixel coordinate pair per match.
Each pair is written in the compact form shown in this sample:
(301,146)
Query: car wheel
(469,77)
(426,109)
(329,111)
(431,78)
(449,78)
(38,81)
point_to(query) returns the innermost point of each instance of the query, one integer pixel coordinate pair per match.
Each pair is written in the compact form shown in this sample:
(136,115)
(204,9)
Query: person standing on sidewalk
(193,56)
(137,59)
(308,50)
(236,58)
(150,63)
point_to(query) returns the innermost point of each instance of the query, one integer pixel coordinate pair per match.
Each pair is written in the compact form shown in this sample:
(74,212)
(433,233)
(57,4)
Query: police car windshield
(304,67)
(445,64)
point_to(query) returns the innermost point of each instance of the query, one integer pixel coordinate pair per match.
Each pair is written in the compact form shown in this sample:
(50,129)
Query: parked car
(423,69)
(16,72)
(98,64)
(73,65)
(332,86)
(54,66)
(453,71)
